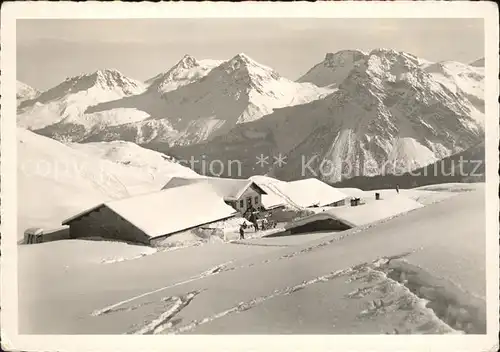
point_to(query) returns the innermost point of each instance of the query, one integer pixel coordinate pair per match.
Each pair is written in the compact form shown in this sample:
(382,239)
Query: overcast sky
(48,51)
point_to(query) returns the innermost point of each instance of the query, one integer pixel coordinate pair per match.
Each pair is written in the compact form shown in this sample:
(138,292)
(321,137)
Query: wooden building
(149,217)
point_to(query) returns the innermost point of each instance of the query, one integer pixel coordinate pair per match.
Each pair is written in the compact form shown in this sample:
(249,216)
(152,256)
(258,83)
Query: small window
(256,200)
(241,203)
(249,202)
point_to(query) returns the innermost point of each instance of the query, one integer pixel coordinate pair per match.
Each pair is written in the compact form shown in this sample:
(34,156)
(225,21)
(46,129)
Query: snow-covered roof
(33,231)
(270,200)
(171,210)
(363,214)
(227,188)
(375,210)
(309,192)
(82,213)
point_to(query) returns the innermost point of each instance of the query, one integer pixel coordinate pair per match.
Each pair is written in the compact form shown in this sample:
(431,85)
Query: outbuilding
(33,235)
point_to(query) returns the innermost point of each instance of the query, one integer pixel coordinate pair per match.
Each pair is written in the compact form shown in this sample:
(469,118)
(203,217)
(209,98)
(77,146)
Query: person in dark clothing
(397,188)
(255,225)
(242,232)
(253,220)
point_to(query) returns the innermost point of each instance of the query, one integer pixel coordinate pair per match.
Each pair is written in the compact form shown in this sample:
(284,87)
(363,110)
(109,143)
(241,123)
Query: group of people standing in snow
(252,215)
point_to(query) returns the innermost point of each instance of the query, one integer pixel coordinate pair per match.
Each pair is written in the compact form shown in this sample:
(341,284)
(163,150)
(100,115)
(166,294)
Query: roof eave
(243,189)
(82,213)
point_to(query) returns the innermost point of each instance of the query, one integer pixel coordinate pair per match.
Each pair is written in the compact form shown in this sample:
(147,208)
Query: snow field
(314,305)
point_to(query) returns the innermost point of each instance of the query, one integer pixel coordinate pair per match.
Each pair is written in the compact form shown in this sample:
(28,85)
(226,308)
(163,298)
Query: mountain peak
(107,74)
(392,61)
(186,62)
(96,76)
(334,68)
(341,57)
(96,87)
(108,71)
(393,54)
(242,65)
(344,53)
(384,51)
(242,57)
(110,79)
(242,60)
(185,71)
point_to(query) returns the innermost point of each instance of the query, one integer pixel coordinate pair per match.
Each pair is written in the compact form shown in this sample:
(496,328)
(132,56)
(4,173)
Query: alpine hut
(150,217)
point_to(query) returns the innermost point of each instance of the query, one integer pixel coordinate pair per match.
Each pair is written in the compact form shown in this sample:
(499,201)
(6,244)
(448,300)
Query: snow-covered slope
(423,272)
(461,79)
(63,108)
(25,92)
(190,103)
(187,70)
(388,115)
(128,153)
(56,181)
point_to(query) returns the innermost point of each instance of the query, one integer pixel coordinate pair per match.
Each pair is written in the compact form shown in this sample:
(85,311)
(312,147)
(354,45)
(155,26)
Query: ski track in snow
(123,259)
(243,306)
(376,307)
(259,244)
(163,322)
(114,307)
(224,266)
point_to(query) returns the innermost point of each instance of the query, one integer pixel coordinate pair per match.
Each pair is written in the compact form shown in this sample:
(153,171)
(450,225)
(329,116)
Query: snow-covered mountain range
(64,105)
(392,112)
(348,115)
(190,103)
(458,77)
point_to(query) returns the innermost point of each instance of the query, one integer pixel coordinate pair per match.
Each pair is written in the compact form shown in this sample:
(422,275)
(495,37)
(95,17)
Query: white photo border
(111,10)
